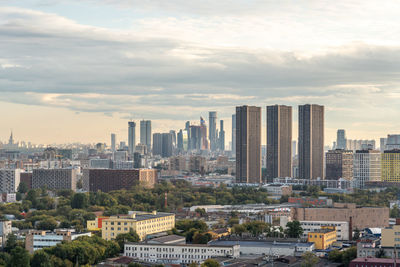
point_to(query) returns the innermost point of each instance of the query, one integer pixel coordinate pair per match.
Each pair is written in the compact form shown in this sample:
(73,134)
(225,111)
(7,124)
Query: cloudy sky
(77,70)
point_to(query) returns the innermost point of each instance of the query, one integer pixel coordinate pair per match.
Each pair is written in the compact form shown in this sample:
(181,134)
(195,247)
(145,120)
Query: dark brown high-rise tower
(311,141)
(248,144)
(279,141)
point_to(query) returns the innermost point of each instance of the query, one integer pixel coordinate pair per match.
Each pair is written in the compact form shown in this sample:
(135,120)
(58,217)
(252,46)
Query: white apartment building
(9,180)
(342,228)
(178,254)
(366,167)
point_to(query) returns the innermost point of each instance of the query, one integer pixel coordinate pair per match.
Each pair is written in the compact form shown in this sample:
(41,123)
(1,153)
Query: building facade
(108,180)
(234,134)
(145,133)
(54,179)
(9,180)
(131,137)
(339,164)
(341,139)
(178,254)
(390,163)
(367,167)
(342,228)
(311,141)
(322,238)
(248,144)
(279,141)
(212,130)
(142,222)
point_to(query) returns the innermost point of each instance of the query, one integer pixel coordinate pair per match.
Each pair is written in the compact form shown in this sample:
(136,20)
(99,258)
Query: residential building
(178,253)
(38,239)
(339,164)
(113,142)
(120,155)
(197,164)
(390,165)
(212,130)
(234,134)
(131,137)
(391,236)
(367,167)
(279,141)
(177,163)
(322,238)
(142,222)
(360,144)
(311,141)
(248,144)
(145,133)
(361,217)
(221,137)
(342,228)
(393,141)
(26,177)
(9,180)
(96,224)
(374,262)
(108,180)
(382,146)
(341,139)
(100,164)
(54,179)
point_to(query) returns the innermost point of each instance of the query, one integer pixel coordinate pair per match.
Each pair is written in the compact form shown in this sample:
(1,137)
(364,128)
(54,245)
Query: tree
(134,264)
(79,201)
(132,236)
(11,242)
(47,224)
(19,258)
(293,229)
(239,229)
(349,255)
(41,259)
(200,238)
(380,253)
(201,212)
(210,263)
(23,188)
(309,259)
(335,256)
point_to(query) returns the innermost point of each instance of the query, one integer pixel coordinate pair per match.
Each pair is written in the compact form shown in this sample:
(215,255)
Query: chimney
(351,228)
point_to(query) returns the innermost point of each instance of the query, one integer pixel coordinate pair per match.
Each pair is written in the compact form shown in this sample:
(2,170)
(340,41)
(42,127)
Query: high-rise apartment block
(113,137)
(391,166)
(54,179)
(221,137)
(234,134)
(311,141)
(367,167)
(145,134)
(393,142)
(212,130)
(108,180)
(339,164)
(131,137)
(341,139)
(163,144)
(9,180)
(279,141)
(248,144)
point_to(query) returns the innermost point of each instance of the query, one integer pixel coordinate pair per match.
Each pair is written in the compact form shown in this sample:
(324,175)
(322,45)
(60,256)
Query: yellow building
(144,223)
(96,224)
(391,236)
(390,169)
(322,238)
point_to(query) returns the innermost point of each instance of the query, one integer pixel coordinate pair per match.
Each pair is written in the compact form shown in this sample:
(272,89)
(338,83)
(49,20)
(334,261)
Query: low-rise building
(38,239)
(96,224)
(342,228)
(374,262)
(143,223)
(322,238)
(278,189)
(178,254)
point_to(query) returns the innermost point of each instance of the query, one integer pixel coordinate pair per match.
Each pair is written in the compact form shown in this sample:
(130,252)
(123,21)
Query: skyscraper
(131,137)
(279,141)
(162,144)
(294,148)
(157,144)
(248,144)
(145,133)
(113,142)
(234,134)
(341,139)
(221,138)
(311,141)
(212,132)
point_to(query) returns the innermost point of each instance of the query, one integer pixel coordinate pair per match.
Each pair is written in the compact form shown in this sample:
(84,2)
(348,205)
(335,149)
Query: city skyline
(169,63)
